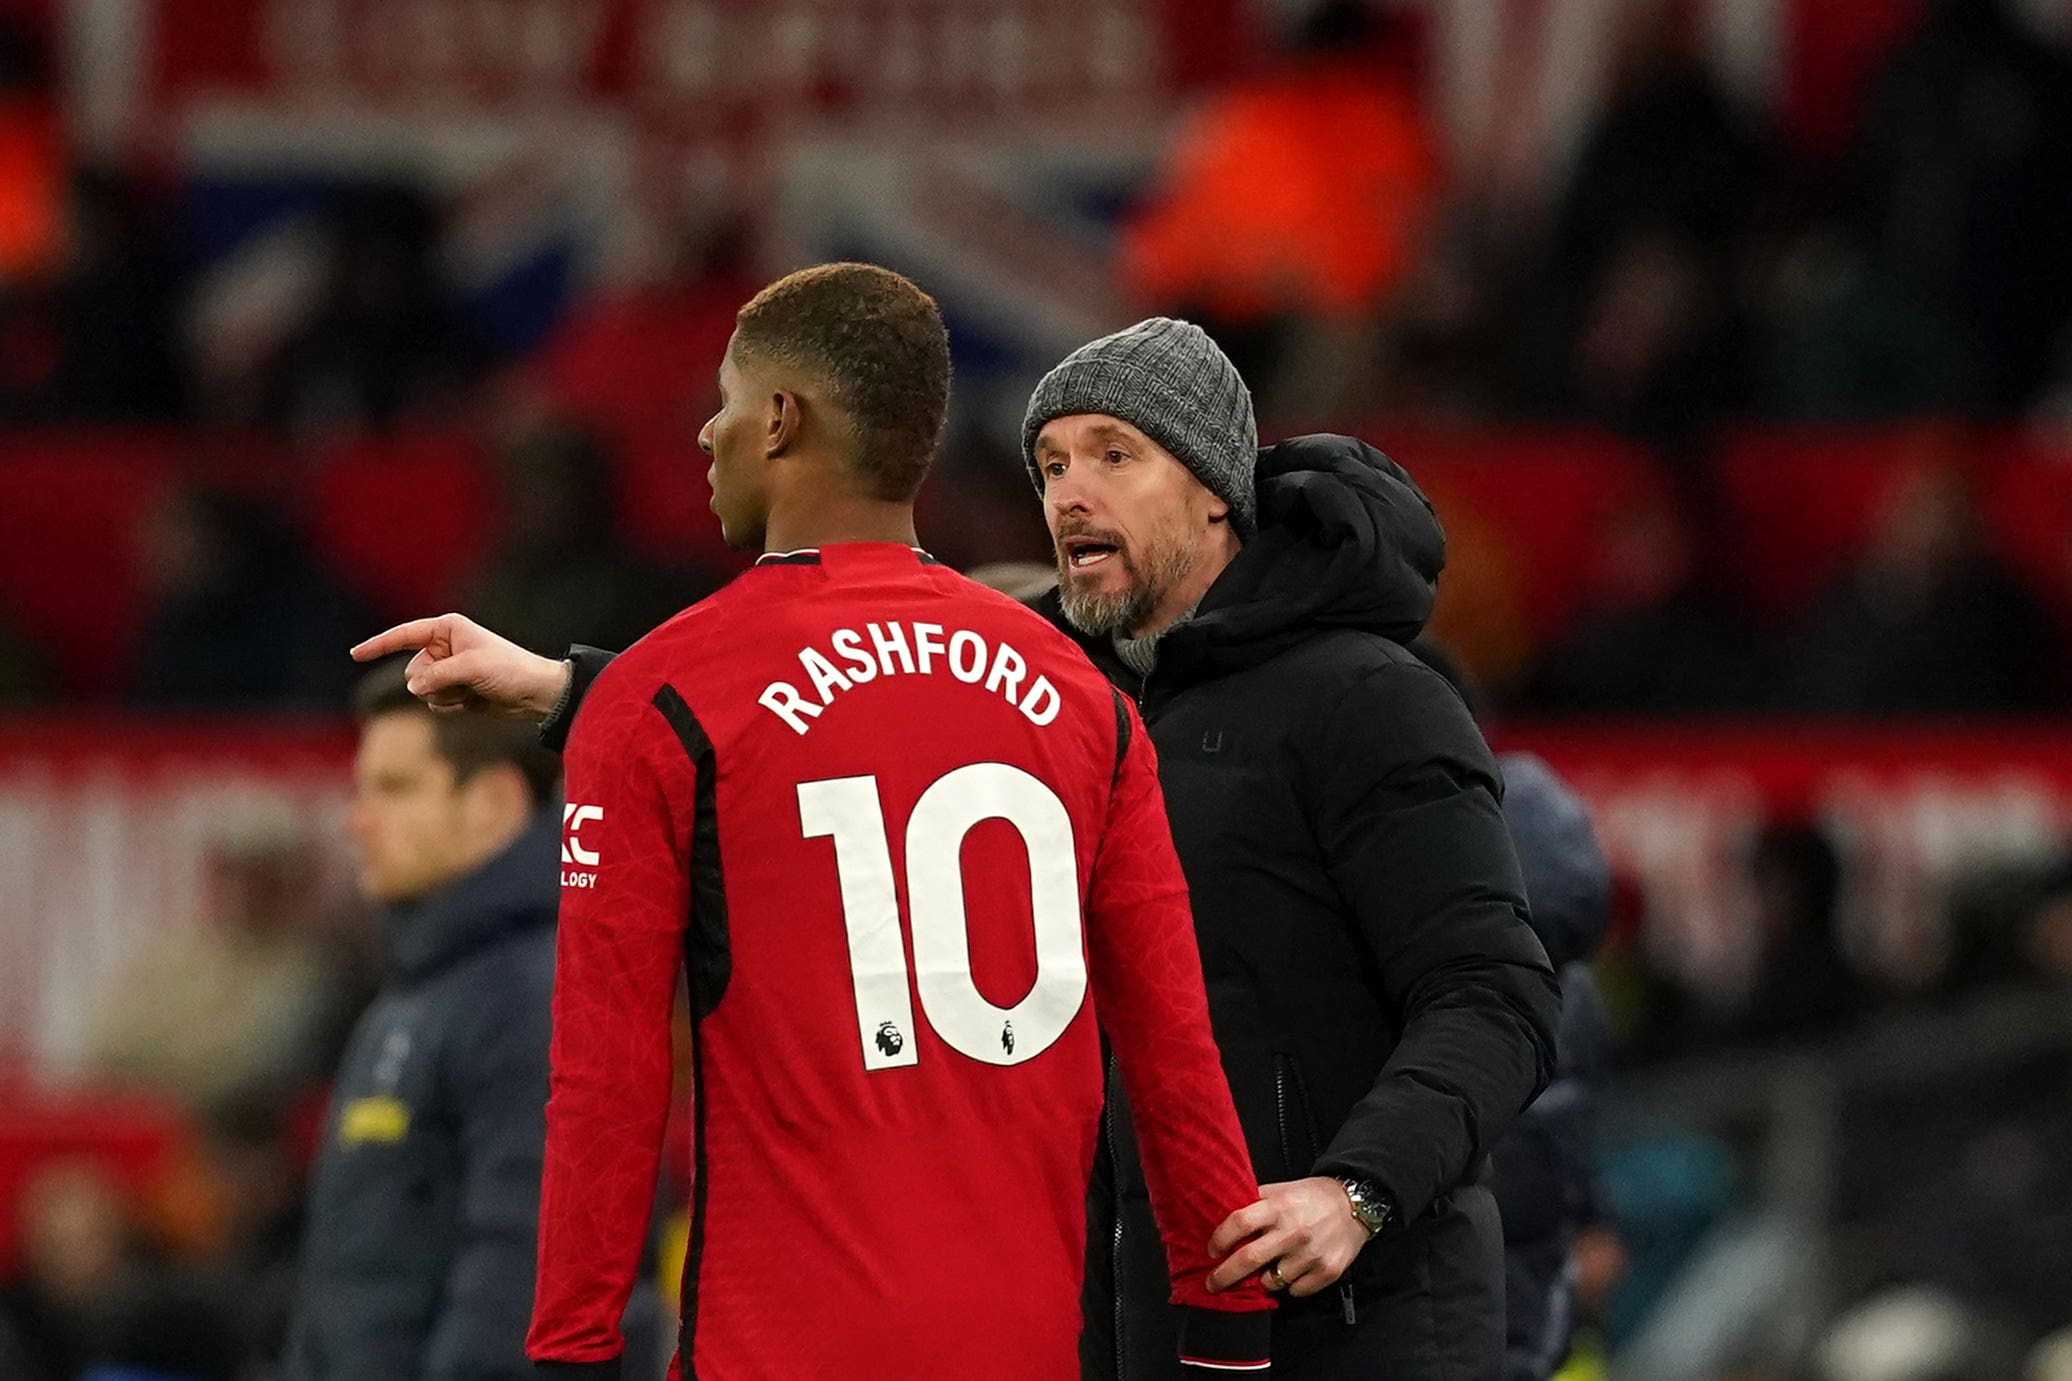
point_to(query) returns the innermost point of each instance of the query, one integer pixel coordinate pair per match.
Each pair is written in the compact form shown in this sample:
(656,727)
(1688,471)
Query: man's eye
(1116,457)
(1054,468)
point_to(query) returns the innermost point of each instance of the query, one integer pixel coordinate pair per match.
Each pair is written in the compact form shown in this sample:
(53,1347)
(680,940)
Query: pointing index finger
(404,637)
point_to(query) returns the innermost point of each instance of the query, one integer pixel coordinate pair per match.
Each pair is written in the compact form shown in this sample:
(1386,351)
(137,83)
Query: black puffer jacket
(1383,1008)
(418,1258)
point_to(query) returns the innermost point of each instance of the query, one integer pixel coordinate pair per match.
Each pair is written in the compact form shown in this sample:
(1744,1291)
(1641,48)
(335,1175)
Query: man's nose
(1066,494)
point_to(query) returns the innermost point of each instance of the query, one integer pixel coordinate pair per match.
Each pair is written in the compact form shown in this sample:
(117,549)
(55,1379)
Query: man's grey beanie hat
(1167,379)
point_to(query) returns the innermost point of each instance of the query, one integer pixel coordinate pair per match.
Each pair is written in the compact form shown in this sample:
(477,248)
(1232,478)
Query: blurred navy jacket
(418,1259)
(1542,1173)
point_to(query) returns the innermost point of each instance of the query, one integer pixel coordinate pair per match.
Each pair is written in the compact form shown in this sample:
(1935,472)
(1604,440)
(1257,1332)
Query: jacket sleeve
(624,907)
(1148,996)
(1405,806)
(497,1081)
(585,665)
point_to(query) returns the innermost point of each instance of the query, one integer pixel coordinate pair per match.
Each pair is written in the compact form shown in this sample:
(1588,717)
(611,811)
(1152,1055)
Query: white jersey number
(848,810)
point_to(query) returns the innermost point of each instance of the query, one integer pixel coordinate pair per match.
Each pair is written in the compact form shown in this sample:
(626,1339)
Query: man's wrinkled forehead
(1095,428)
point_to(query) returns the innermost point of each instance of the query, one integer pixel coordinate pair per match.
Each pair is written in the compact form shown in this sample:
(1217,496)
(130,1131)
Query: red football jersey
(907,844)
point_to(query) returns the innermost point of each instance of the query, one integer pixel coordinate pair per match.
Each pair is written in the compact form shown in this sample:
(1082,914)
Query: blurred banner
(682,96)
(1910,812)
(106,827)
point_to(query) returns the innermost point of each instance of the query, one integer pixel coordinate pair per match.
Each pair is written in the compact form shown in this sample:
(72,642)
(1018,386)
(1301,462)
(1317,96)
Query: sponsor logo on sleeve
(578,862)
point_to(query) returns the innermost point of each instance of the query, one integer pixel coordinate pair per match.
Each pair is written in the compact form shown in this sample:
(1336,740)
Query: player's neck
(849,520)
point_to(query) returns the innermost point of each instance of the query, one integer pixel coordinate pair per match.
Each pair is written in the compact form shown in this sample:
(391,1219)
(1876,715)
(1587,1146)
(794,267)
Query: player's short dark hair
(466,742)
(879,345)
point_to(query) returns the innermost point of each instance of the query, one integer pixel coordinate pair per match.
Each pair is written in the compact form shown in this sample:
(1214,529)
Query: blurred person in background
(385,338)
(1292,209)
(1928,620)
(240,615)
(558,567)
(24,670)
(1544,1172)
(90,335)
(115,302)
(1799,985)
(233,1007)
(1965,189)
(418,1258)
(94,1301)
(1636,320)
(1653,640)
(1803,986)
(77,1242)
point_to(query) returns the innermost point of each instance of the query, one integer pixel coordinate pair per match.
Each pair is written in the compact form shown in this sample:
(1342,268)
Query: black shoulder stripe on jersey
(708,964)
(1122,736)
(706,947)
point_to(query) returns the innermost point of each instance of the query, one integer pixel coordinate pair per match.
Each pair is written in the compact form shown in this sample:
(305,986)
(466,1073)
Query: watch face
(1368,1206)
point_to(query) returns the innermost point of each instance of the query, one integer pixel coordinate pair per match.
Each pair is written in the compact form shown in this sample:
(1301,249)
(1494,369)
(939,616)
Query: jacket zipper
(1115,1244)
(1285,1075)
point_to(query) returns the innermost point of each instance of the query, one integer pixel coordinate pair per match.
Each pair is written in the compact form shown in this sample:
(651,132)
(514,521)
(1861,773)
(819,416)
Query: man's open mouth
(1083,553)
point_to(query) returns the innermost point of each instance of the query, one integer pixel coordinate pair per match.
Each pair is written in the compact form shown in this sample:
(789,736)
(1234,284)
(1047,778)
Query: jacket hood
(1346,540)
(514,892)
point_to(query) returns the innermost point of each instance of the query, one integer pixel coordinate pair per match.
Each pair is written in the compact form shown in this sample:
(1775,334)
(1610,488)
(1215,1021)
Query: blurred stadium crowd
(1750,415)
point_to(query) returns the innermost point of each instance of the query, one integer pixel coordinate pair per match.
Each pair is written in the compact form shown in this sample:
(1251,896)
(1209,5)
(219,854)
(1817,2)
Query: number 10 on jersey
(849,810)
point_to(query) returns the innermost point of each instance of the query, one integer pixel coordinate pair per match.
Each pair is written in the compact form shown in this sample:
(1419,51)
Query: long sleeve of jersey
(1148,993)
(624,908)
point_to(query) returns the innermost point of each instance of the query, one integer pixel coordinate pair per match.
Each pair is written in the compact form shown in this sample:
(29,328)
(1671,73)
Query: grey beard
(1099,615)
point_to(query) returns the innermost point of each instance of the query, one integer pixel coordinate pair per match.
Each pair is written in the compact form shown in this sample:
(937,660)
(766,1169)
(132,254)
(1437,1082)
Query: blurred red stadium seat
(1801,501)
(405,518)
(1550,489)
(70,506)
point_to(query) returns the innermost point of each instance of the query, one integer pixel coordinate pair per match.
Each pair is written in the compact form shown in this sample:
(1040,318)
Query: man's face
(1129,522)
(413,828)
(734,439)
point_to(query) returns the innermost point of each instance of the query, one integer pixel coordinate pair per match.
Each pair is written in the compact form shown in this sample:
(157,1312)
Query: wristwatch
(1370,1206)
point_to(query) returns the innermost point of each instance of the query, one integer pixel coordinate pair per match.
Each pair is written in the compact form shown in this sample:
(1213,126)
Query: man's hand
(461,665)
(1304,1229)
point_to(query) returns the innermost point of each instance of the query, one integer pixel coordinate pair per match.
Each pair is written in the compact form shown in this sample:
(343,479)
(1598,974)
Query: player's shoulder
(667,654)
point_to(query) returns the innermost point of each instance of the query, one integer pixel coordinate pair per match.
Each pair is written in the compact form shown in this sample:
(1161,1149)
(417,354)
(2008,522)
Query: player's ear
(784,423)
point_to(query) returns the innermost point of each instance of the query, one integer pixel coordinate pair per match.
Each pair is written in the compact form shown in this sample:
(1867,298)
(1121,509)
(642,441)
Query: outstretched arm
(460,665)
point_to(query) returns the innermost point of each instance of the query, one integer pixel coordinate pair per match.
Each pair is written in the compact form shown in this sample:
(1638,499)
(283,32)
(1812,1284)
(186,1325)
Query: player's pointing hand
(461,665)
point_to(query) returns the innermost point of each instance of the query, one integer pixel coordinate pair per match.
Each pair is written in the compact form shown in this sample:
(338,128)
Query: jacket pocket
(1300,1145)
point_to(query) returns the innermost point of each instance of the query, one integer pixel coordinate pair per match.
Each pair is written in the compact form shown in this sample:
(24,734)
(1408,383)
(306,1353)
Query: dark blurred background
(1733,339)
